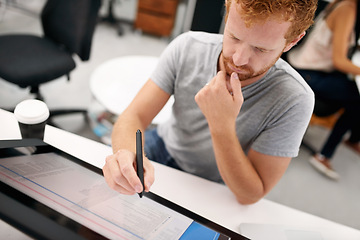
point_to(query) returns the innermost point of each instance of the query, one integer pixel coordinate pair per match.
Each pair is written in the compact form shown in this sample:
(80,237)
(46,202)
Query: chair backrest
(71,23)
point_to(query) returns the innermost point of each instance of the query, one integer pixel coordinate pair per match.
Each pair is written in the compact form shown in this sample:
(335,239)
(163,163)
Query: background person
(324,61)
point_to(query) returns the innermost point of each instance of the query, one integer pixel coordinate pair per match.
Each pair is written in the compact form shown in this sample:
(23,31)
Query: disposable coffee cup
(32,115)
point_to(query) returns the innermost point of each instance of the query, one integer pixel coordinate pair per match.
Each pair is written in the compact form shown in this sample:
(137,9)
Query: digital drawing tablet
(47,193)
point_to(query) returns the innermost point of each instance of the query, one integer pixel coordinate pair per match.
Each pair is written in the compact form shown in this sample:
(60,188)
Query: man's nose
(242,55)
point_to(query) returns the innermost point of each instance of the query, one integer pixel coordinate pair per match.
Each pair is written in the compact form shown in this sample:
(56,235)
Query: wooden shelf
(156,16)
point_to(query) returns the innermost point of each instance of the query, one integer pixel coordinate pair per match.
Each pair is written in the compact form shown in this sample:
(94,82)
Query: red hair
(299,13)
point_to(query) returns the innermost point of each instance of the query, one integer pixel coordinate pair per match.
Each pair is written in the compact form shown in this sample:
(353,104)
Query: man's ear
(294,42)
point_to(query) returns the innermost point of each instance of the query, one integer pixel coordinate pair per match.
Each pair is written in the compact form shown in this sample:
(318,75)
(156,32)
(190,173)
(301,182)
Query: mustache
(239,68)
(230,63)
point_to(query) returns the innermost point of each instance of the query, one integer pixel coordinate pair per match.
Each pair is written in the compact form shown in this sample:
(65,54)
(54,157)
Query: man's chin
(244,77)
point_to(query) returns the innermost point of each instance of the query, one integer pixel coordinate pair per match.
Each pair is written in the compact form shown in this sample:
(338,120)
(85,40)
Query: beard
(246,71)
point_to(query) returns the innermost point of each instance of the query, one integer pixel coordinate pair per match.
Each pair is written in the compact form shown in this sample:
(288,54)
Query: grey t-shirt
(272,120)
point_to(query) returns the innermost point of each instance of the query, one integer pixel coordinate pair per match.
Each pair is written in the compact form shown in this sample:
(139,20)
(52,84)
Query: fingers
(221,80)
(114,178)
(128,176)
(148,174)
(120,173)
(236,87)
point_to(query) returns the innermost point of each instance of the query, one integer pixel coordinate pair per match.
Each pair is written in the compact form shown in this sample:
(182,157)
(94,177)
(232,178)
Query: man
(240,112)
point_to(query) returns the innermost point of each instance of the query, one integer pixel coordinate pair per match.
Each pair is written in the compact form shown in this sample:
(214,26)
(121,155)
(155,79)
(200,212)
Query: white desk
(211,200)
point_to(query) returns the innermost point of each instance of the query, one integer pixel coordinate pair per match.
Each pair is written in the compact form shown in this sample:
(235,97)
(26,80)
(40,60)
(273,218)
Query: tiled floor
(301,187)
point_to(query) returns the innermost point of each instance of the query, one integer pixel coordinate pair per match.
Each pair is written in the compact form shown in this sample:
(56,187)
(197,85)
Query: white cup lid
(31,111)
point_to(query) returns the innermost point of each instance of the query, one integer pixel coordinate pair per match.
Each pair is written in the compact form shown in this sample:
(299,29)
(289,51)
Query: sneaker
(354,146)
(322,164)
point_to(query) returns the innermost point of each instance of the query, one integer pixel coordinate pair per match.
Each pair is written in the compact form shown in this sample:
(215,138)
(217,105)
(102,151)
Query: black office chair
(112,20)
(29,60)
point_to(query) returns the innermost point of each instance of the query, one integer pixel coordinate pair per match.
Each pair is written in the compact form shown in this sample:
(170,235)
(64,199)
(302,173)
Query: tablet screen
(83,195)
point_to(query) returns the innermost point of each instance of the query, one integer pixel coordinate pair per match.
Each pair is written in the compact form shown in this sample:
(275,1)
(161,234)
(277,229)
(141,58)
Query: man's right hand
(120,173)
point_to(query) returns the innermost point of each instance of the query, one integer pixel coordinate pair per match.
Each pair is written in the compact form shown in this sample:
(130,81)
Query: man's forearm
(236,169)
(123,135)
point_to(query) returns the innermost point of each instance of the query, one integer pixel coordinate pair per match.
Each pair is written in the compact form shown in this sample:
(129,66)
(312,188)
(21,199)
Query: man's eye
(261,50)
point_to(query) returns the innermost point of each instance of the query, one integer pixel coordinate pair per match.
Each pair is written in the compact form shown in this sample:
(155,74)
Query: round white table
(116,82)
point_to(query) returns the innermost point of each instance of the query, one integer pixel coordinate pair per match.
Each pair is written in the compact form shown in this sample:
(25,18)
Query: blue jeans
(335,88)
(155,149)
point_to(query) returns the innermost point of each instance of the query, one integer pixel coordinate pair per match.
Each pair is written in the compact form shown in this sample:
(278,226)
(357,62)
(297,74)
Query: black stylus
(139,160)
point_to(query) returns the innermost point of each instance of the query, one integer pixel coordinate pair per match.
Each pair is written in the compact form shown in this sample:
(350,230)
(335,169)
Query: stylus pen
(139,160)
